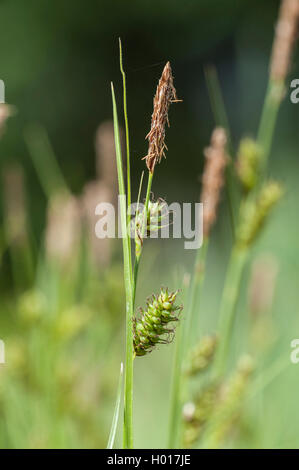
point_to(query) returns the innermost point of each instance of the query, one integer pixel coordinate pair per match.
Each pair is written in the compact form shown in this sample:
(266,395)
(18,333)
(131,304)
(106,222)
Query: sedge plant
(155,323)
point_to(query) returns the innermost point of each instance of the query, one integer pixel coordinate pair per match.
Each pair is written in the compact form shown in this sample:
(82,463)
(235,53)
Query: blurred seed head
(197,413)
(228,408)
(248,160)
(94,193)
(285,36)
(6,111)
(213,177)
(105,156)
(262,284)
(71,322)
(255,211)
(31,306)
(63,228)
(260,299)
(14,205)
(202,354)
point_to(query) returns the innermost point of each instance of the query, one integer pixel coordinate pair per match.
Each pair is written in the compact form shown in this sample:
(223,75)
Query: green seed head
(152,327)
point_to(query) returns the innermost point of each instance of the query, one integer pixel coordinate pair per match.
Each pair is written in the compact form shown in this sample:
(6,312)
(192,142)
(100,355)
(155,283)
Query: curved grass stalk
(113,429)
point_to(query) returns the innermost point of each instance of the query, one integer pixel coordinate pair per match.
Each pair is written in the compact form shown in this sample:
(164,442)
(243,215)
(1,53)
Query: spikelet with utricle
(165,95)
(157,218)
(255,211)
(213,177)
(153,326)
(202,354)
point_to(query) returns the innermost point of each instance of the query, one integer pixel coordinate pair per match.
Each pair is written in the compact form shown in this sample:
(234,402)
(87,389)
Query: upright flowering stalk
(165,95)
(153,326)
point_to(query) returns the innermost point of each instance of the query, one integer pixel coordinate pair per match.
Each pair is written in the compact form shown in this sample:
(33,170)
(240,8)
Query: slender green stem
(126,129)
(228,306)
(268,120)
(128,404)
(183,341)
(174,436)
(129,197)
(196,283)
(138,255)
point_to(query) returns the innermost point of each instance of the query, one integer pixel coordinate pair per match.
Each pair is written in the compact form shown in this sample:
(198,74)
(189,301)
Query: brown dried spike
(165,94)
(213,177)
(286,31)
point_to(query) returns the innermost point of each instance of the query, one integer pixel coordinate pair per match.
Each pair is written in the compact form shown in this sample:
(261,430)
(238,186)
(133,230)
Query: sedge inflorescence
(165,95)
(153,326)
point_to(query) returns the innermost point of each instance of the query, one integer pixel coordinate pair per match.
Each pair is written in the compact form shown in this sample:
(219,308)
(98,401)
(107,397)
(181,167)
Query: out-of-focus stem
(228,306)
(182,341)
(266,130)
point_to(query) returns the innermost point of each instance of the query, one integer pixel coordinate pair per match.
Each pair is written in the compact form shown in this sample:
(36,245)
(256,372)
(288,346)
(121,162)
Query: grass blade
(128,405)
(116,409)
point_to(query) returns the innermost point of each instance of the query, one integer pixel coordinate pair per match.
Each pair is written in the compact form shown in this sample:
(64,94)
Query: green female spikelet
(157,218)
(153,326)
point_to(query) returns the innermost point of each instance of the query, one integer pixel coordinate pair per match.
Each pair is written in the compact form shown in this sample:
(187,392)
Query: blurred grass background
(62,299)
